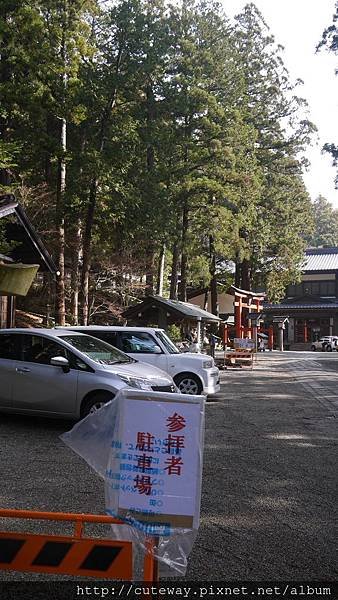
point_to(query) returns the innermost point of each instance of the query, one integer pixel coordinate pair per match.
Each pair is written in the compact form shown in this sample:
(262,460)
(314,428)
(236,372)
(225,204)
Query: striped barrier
(76,554)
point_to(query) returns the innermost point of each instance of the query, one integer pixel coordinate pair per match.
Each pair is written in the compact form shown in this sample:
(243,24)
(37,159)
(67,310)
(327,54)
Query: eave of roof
(176,307)
(303,306)
(9,205)
(6,259)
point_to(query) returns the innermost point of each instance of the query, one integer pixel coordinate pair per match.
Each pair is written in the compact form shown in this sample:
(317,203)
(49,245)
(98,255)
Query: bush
(174,332)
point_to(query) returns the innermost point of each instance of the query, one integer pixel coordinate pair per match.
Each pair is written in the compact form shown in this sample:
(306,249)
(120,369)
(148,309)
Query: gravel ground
(269,481)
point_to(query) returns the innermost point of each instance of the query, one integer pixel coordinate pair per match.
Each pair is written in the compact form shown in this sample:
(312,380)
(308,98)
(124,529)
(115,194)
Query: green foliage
(174,332)
(272,239)
(325,224)
(330,34)
(189,127)
(329,41)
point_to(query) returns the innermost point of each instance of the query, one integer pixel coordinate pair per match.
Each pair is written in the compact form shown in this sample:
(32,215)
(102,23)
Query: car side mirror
(60,361)
(157,350)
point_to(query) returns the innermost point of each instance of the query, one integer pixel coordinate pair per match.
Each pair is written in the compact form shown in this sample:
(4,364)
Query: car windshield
(97,350)
(167,343)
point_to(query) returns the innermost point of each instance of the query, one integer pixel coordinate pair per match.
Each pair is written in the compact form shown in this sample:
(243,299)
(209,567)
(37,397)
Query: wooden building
(20,265)
(311,305)
(160,312)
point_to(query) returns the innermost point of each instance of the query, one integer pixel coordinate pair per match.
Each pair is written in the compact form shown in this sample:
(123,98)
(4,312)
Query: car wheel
(188,383)
(313,348)
(328,348)
(94,403)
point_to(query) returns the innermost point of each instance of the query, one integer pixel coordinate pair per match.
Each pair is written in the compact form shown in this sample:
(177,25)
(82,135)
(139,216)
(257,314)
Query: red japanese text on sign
(143,484)
(145,441)
(144,462)
(174,442)
(174,465)
(175,422)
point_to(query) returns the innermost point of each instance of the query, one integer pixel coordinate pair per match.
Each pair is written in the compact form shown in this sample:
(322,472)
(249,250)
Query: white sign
(244,343)
(157,460)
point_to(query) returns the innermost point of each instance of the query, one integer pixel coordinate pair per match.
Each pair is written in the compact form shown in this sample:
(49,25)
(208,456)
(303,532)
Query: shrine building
(311,305)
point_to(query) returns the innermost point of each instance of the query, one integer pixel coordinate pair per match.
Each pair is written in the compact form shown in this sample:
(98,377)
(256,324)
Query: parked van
(193,373)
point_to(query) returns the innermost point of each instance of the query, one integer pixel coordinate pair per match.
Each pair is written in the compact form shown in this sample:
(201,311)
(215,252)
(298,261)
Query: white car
(192,373)
(325,344)
(67,374)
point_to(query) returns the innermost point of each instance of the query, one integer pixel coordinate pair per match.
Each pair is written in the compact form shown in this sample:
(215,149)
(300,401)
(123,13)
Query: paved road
(270,479)
(270,473)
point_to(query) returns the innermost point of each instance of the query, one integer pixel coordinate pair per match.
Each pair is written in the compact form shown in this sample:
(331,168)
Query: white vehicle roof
(36,330)
(86,328)
(141,368)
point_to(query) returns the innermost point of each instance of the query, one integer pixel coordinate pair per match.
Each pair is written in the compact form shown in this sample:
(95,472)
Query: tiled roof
(182,309)
(294,305)
(187,308)
(321,259)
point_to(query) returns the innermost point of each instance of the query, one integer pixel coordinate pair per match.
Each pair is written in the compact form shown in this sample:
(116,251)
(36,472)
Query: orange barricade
(239,355)
(76,554)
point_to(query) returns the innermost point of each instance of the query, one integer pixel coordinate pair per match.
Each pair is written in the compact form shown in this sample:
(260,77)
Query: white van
(192,373)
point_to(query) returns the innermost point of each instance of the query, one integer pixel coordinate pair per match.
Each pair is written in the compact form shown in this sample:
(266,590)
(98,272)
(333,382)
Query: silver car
(67,374)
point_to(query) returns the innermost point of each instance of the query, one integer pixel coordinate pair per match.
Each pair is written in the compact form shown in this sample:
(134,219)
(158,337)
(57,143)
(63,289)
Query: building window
(312,288)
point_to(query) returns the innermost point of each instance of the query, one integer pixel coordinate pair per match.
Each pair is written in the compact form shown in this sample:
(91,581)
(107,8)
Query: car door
(39,386)
(8,356)
(144,347)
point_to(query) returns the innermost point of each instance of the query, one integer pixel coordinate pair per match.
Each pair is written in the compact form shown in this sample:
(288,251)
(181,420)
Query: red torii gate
(244,302)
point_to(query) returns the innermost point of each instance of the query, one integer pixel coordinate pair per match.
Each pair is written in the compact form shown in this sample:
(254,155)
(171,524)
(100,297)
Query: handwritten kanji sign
(244,343)
(156,461)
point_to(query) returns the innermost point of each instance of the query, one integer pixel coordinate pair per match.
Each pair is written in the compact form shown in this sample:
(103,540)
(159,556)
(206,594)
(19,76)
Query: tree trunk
(238,272)
(60,309)
(87,238)
(47,157)
(245,275)
(185,217)
(5,76)
(206,298)
(213,278)
(86,262)
(60,302)
(174,271)
(150,268)
(76,254)
(76,257)
(184,255)
(150,158)
(160,274)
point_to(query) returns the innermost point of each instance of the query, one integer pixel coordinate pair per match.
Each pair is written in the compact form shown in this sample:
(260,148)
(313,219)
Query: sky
(298,25)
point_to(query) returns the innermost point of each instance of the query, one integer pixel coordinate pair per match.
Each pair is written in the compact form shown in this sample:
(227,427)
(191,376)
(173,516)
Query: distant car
(193,373)
(331,344)
(67,374)
(325,344)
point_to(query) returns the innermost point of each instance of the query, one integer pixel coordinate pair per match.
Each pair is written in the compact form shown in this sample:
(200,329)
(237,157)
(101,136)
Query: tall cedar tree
(330,42)
(182,131)
(274,241)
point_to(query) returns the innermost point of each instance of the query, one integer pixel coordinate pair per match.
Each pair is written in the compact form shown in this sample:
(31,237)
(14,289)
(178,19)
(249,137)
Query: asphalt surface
(269,483)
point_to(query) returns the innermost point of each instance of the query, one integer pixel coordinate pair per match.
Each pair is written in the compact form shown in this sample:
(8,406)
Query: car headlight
(140,384)
(208,364)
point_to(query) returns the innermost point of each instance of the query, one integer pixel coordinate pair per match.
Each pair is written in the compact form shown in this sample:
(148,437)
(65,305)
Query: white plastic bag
(148,447)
